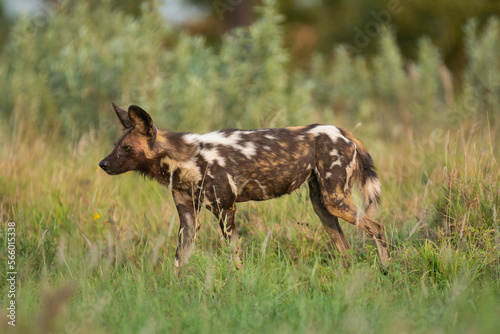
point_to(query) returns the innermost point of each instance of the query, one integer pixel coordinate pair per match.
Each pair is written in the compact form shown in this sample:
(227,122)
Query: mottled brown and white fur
(219,169)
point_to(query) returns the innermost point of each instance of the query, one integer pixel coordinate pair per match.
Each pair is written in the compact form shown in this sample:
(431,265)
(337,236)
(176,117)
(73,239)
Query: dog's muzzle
(104,164)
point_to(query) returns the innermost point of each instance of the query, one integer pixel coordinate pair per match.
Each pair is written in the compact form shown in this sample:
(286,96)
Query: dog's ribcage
(238,165)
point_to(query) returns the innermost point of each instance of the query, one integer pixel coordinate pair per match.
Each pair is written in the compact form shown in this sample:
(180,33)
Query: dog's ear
(122,116)
(141,121)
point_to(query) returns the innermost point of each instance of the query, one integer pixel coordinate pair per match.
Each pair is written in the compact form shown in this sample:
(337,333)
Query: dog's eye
(126,148)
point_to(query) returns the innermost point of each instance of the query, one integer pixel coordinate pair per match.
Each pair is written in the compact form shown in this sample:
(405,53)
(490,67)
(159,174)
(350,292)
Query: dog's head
(135,149)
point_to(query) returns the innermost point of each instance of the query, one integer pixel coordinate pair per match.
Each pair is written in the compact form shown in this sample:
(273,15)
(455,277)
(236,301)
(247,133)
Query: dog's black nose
(104,164)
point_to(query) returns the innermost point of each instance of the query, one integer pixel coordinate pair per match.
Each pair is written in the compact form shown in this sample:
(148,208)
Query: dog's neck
(175,146)
(174,156)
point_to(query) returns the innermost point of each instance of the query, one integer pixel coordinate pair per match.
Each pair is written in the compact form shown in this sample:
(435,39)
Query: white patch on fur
(371,190)
(171,179)
(263,188)
(329,130)
(338,158)
(270,137)
(349,170)
(212,155)
(221,138)
(191,138)
(188,169)
(231,139)
(181,235)
(248,150)
(359,215)
(327,175)
(337,162)
(189,220)
(232,184)
(267,148)
(242,186)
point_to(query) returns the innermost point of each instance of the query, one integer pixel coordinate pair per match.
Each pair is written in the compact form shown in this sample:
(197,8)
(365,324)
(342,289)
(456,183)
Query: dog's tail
(366,177)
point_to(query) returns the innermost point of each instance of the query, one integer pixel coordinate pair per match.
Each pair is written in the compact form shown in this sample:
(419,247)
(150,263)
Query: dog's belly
(266,182)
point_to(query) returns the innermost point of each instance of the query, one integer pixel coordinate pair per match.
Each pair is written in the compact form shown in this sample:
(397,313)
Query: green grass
(95,253)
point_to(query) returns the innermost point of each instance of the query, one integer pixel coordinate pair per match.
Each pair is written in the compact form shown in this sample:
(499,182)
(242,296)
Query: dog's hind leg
(342,206)
(334,175)
(330,222)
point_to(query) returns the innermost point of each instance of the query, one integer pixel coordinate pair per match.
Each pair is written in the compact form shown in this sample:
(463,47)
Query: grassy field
(94,253)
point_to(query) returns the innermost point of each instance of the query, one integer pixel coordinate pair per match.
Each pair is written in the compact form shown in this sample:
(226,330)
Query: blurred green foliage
(343,21)
(4,26)
(63,72)
(66,72)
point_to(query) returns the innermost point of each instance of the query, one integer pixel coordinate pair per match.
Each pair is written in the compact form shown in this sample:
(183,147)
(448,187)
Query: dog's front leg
(228,227)
(187,229)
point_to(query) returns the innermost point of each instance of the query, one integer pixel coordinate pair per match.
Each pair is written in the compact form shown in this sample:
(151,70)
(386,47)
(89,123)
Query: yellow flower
(97,216)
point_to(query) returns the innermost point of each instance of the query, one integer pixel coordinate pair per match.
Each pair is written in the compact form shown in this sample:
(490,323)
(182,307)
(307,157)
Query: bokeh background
(310,26)
(235,65)
(418,82)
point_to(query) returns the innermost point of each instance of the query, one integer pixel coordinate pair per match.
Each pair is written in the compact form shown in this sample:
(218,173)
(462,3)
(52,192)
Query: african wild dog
(221,168)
